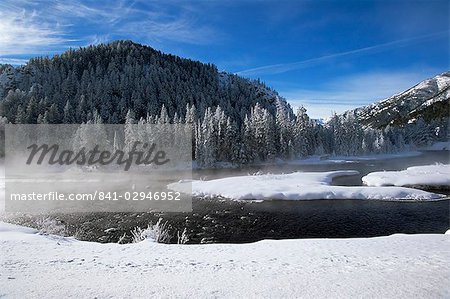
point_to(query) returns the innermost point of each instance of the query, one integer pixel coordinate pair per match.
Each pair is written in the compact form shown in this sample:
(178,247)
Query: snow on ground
(378,157)
(295,186)
(326,159)
(398,266)
(428,175)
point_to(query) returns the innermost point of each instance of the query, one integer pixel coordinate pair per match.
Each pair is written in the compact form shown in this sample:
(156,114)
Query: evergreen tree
(68,117)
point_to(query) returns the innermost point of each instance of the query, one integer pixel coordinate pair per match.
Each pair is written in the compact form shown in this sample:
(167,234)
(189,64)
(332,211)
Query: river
(225,221)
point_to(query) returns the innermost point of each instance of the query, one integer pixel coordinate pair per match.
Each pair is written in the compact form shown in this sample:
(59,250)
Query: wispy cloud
(97,39)
(22,33)
(286,67)
(174,30)
(43,26)
(349,92)
(100,12)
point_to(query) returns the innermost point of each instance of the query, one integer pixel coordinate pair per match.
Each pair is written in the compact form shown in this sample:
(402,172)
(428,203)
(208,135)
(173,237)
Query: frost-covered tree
(302,134)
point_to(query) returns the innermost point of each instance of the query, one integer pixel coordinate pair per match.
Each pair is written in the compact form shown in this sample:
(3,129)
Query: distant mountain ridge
(428,100)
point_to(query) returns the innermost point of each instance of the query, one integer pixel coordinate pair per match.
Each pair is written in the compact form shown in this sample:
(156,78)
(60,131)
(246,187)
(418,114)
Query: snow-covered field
(398,266)
(296,186)
(429,175)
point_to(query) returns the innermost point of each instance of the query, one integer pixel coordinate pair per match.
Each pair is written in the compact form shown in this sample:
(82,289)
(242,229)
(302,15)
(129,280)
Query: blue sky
(325,55)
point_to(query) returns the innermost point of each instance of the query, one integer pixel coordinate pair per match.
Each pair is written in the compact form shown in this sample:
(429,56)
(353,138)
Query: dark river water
(224,221)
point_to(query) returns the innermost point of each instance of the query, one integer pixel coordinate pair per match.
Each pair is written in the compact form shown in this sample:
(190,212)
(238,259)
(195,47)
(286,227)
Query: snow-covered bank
(315,160)
(330,159)
(296,186)
(438,146)
(428,175)
(398,266)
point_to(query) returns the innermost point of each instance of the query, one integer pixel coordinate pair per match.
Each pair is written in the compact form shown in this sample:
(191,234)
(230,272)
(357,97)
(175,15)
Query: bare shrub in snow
(259,172)
(183,238)
(158,232)
(49,226)
(122,239)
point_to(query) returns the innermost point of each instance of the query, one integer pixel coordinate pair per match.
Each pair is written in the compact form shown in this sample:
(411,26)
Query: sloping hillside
(428,100)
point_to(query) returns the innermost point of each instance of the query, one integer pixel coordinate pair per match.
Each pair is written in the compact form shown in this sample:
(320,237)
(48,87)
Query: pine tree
(32,111)
(68,117)
(53,115)
(130,134)
(270,136)
(21,117)
(302,134)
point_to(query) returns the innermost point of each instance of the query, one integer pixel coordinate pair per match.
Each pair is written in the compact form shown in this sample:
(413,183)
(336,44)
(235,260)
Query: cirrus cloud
(45,26)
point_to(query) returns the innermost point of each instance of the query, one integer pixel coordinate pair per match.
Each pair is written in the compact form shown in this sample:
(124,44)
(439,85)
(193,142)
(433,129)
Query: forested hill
(110,79)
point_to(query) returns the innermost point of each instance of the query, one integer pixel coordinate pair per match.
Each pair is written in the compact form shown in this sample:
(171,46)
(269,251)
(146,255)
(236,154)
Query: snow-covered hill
(429,99)
(127,76)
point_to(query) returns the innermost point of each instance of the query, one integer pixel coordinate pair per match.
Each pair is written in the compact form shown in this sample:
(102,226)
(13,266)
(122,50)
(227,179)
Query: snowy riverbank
(326,159)
(398,266)
(296,186)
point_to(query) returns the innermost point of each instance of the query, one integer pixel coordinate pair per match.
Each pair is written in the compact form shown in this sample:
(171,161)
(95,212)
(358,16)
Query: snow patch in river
(296,186)
(428,175)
